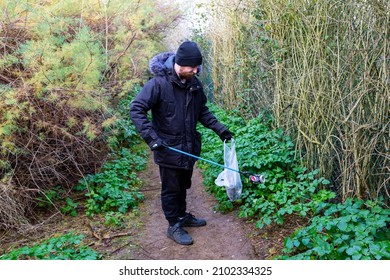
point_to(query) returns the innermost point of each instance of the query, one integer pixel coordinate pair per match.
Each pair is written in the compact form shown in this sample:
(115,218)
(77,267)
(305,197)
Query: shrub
(62,69)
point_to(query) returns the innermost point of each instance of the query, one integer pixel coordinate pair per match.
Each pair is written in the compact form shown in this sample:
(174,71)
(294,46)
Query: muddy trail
(225,237)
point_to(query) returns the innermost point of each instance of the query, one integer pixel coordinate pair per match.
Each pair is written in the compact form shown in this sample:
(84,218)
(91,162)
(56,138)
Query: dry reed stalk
(337,60)
(227,58)
(329,62)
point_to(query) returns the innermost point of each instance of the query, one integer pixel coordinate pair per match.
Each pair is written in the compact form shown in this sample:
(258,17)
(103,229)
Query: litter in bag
(228,178)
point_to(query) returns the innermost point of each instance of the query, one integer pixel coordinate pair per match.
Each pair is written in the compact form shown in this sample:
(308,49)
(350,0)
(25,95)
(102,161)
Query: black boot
(189,220)
(179,235)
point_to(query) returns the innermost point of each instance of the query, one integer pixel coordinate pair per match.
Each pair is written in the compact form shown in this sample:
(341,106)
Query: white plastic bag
(228,178)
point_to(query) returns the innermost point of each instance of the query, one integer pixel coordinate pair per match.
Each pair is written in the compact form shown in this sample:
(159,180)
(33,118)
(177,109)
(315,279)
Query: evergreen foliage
(64,66)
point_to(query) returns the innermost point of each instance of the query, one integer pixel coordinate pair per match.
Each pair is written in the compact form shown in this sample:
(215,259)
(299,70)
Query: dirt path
(223,238)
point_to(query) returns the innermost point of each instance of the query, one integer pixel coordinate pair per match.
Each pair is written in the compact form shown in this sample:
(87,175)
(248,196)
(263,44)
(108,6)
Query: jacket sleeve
(142,103)
(207,119)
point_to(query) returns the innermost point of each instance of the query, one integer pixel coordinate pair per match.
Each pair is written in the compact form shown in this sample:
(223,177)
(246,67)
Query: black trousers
(174,185)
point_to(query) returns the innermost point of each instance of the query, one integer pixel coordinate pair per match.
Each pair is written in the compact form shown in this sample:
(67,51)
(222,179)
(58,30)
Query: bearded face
(187,72)
(186,75)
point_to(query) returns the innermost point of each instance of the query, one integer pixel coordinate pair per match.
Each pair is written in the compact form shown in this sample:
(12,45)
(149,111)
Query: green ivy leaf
(288,243)
(267,220)
(306,241)
(342,225)
(354,250)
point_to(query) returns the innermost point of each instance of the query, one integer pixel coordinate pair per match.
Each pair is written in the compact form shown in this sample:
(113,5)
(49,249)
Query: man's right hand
(158,145)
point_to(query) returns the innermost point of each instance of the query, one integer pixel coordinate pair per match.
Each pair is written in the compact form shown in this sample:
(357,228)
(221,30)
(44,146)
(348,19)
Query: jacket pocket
(169,109)
(166,156)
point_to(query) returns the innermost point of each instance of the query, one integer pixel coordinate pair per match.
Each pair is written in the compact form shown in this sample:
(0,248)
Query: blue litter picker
(226,178)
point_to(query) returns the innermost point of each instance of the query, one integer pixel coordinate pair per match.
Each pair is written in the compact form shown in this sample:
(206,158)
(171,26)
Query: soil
(143,233)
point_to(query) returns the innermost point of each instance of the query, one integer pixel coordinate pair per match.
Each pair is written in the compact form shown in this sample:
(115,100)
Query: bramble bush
(121,132)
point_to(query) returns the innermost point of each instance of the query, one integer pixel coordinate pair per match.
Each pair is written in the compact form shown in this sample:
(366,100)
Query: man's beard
(186,75)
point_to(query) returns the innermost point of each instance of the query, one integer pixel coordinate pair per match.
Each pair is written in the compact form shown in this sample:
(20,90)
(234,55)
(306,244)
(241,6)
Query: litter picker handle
(254,178)
(206,160)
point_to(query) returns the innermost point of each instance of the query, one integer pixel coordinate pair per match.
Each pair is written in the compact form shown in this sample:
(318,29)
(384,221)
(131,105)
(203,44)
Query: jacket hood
(162,64)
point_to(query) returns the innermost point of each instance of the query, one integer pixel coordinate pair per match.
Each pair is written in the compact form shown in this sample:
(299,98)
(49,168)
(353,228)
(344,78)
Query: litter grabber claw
(257,179)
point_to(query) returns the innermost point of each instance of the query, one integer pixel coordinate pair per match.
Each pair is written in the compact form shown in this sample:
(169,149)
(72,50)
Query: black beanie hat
(188,54)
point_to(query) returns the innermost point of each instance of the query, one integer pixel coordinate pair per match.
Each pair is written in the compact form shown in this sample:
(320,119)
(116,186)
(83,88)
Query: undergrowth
(354,229)
(116,188)
(111,193)
(65,247)
(351,230)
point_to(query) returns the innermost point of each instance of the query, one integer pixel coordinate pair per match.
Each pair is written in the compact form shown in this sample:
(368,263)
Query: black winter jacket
(176,108)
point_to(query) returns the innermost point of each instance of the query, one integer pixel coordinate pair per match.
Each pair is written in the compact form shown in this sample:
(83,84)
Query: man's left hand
(227,135)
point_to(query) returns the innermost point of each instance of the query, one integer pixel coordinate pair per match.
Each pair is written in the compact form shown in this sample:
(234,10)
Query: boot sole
(181,243)
(194,225)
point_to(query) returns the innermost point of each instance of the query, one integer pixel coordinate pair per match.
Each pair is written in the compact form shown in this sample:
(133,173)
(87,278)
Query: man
(177,102)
